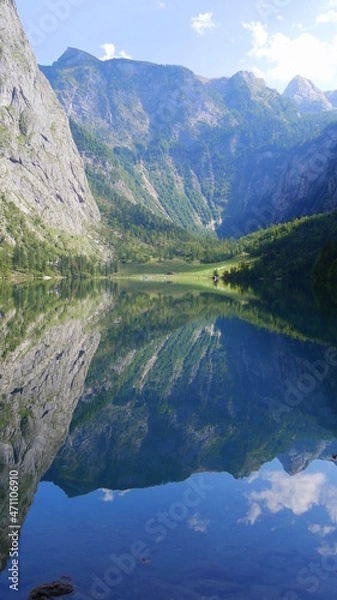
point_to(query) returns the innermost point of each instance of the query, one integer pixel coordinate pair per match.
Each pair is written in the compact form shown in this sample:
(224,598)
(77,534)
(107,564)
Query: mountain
(162,384)
(45,352)
(166,152)
(301,251)
(205,394)
(45,196)
(332,97)
(197,152)
(142,111)
(128,101)
(279,187)
(299,457)
(308,97)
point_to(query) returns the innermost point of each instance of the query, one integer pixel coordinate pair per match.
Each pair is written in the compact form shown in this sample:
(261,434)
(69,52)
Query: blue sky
(276,39)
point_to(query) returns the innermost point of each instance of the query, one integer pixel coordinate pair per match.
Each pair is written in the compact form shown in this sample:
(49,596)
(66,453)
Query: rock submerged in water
(46,591)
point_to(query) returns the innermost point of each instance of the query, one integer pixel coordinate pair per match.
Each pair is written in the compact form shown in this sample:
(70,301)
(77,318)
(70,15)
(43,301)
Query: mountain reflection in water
(184,428)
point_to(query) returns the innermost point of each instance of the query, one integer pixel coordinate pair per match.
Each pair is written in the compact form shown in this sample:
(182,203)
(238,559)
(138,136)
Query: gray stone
(41,170)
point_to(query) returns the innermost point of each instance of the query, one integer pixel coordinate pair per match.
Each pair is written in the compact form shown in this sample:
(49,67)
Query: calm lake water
(169,443)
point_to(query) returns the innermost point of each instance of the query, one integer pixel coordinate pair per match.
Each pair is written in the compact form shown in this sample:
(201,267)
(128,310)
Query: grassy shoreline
(175,271)
(179,272)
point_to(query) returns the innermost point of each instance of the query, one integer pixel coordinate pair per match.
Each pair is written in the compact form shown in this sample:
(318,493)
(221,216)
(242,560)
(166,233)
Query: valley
(165,165)
(168,277)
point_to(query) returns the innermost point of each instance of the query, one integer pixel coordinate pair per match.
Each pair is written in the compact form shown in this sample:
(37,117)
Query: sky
(275,39)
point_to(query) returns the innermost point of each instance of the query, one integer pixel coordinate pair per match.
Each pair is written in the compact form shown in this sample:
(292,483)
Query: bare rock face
(127,101)
(40,168)
(245,152)
(332,97)
(308,97)
(310,178)
(303,452)
(281,187)
(41,382)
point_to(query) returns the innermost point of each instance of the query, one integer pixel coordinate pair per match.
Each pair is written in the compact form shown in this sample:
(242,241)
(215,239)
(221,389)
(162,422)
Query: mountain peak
(308,97)
(73,57)
(248,77)
(42,172)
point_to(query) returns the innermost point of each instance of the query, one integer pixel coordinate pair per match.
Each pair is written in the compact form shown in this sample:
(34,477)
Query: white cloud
(123,493)
(123,54)
(254,513)
(161,4)
(328,17)
(282,57)
(259,33)
(203,22)
(253,477)
(328,550)
(108,495)
(299,494)
(258,73)
(110,52)
(330,495)
(321,530)
(198,524)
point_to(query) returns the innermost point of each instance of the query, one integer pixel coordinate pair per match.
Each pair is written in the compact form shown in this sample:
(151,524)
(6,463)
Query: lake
(167,442)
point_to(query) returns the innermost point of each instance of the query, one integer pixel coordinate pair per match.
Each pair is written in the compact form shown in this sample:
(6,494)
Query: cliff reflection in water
(49,336)
(157,383)
(182,383)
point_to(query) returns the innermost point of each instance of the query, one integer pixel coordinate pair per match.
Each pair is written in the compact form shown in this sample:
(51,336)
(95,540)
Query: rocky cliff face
(332,97)
(134,107)
(299,457)
(224,155)
(210,396)
(308,97)
(128,102)
(40,168)
(204,153)
(280,187)
(40,384)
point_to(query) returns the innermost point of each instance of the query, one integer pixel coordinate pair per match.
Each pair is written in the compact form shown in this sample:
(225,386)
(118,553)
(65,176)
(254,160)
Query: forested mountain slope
(201,153)
(45,198)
